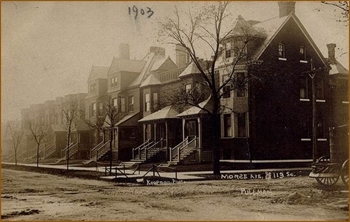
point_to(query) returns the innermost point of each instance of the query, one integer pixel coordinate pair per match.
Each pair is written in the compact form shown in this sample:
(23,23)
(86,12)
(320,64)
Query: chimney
(124,51)
(286,8)
(331,52)
(157,50)
(181,56)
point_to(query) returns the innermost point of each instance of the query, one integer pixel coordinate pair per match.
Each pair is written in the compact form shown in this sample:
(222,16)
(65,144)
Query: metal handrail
(175,151)
(152,146)
(138,148)
(97,148)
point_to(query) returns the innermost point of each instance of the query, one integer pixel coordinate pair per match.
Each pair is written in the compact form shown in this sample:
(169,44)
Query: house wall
(278,115)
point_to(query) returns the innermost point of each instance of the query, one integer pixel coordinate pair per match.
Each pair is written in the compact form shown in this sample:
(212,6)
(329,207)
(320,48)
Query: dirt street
(34,196)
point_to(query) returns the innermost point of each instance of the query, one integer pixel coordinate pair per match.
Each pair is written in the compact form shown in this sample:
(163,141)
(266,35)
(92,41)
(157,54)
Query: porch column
(144,132)
(155,131)
(183,128)
(199,144)
(166,135)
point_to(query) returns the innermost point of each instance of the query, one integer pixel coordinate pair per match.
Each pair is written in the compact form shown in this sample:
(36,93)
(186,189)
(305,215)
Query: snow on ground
(35,196)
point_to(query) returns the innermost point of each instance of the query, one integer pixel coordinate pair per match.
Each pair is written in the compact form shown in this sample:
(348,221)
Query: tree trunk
(110,149)
(215,140)
(68,143)
(37,155)
(15,157)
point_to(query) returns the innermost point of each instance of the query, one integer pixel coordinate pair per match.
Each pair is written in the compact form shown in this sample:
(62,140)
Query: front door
(191,129)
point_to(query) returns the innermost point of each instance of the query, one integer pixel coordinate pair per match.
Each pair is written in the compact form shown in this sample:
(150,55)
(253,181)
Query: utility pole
(312,74)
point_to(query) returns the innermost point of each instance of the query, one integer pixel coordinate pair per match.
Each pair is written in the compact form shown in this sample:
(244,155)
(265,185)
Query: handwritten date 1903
(136,11)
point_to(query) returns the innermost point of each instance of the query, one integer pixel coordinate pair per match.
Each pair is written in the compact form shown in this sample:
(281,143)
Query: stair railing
(144,149)
(138,149)
(94,148)
(152,147)
(175,151)
(189,144)
(102,150)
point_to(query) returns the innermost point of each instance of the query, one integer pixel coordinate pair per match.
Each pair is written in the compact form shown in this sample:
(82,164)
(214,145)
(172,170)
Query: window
(92,88)
(147,102)
(302,53)
(303,88)
(305,128)
(241,85)
(320,127)
(319,88)
(131,103)
(122,105)
(93,109)
(240,48)
(241,125)
(228,50)
(100,108)
(188,58)
(226,90)
(114,81)
(188,88)
(115,102)
(155,101)
(281,50)
(227,125)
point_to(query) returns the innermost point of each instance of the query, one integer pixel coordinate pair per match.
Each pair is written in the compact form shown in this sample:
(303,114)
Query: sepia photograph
(174,110)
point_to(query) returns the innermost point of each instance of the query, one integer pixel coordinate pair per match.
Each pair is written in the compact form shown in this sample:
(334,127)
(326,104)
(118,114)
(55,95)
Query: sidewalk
(184,176)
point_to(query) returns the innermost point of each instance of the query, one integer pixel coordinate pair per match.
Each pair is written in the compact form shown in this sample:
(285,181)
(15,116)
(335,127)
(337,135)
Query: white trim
(345,102)
(303,61)
(305,100)
(322,139)
(305,139)
(320,100)
(282,59)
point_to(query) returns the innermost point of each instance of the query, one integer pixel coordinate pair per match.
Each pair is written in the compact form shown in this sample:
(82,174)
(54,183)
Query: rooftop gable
(126,65)
(98,72)
(273,26)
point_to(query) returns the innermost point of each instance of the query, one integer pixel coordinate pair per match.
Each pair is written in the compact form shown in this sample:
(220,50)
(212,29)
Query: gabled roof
(206,104)
(81,125)
(243,28)
(150,81)
(126,65)
(337,68)
(129,120)
(98,72)
(166,113)
(150,58)
(273,26)
(190,69)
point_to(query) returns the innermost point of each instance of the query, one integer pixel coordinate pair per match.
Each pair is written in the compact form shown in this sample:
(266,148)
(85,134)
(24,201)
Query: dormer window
(228,47)
(114,81)
(240,48)
(281,51)
(93,88)
(302,54)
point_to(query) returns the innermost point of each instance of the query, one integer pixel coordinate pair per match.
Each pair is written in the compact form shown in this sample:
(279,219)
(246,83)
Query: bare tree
(112,116)
(343,6)
(39,132)
(15,134)
(209,28)
(70,113)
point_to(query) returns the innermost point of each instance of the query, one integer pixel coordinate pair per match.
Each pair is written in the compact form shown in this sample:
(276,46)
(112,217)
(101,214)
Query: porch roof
(129,120)
(166,113)
(206,104)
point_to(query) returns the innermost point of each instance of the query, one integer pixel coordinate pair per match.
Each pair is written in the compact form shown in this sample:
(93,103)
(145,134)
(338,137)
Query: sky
(48,48)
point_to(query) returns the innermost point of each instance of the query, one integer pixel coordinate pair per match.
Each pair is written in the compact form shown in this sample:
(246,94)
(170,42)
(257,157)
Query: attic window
(93,87)
(302,54)
(281,51)
(228,50)
(114,81)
